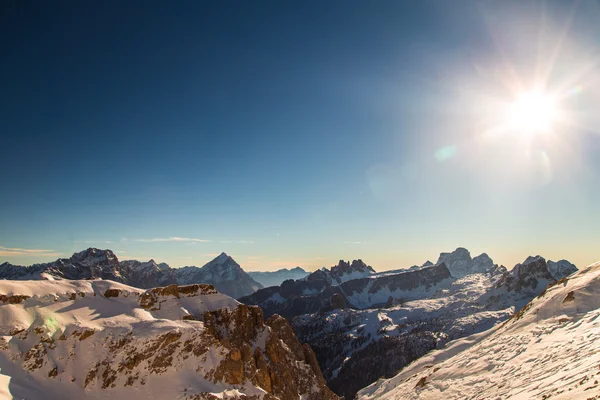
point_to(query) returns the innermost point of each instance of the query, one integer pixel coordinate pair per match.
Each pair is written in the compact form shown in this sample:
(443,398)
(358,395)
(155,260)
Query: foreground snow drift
(549,349)
(101,339)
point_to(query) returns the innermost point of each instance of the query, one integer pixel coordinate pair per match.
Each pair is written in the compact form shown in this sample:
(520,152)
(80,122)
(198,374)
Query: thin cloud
(169,239)
(355,242)
(237,241)
(17,251)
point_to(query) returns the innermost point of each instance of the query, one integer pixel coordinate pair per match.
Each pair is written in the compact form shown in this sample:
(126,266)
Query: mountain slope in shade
(549,349)
(318,292)
(276,278)
(222,272)
(104,340)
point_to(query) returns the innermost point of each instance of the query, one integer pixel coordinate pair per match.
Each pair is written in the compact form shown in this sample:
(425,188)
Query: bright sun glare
(533,112)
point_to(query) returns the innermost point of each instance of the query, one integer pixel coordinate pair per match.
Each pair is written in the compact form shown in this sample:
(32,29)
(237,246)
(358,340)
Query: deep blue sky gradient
(282,132)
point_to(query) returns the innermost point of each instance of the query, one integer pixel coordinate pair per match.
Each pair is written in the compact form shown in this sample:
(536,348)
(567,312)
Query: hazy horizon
(297,134)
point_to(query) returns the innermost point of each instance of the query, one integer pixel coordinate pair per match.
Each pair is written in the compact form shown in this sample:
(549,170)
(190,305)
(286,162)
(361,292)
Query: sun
(533,112)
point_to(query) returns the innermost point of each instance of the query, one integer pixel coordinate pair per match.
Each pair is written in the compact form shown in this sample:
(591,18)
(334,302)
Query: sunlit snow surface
(52,310)
(550,350)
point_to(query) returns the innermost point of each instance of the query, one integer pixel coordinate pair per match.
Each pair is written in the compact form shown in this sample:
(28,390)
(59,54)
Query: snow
(58,311)
(548,350)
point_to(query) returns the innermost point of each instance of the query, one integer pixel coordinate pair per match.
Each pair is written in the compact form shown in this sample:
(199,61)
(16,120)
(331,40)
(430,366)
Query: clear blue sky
(296,133)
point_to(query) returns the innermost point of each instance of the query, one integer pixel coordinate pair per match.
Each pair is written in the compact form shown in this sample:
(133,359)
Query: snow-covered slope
(99,339)
(275,278)
(549,349)
(222,272)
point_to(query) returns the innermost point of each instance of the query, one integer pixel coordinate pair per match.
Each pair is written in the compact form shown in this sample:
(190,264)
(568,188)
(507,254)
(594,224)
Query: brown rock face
(285,369)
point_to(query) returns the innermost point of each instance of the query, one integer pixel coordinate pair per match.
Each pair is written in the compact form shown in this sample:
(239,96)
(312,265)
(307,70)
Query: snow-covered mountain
(222,272)
(88,264)
(329,289)
(275,278)
(356,347)
(96,339)
(460,263)
(549,349)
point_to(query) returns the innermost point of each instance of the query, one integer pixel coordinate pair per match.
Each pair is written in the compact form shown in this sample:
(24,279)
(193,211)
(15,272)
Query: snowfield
(549,349)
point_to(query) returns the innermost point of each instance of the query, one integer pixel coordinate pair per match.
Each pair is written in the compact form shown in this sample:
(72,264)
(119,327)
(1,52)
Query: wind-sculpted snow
(104,340)
(222,272)
(547,350)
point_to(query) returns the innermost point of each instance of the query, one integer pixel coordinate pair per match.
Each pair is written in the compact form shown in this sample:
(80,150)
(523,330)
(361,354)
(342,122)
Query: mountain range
(276,278)
(367,328)
(431,330)
(223,272)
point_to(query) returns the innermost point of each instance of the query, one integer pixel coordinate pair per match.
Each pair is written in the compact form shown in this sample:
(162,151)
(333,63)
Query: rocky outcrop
(534,273)
(141,343)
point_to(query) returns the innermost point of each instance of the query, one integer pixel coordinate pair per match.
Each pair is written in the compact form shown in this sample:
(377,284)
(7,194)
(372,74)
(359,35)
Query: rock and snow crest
(104,340)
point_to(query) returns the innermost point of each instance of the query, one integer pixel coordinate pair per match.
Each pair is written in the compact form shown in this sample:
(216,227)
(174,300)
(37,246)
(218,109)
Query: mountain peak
(222,258)
(460,263)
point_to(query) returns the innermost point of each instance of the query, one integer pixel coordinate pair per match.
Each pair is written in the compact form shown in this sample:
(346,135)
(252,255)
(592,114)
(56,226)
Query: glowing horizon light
(533,112)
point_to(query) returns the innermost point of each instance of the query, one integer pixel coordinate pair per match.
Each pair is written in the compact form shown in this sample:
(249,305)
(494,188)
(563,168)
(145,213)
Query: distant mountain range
(370,327)
(223,272)
(276,278)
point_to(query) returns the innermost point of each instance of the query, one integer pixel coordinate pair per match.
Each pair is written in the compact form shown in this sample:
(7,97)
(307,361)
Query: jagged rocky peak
(346,271)
(222,258)
(561,269)
(534,273)
(93,256)
(460,263)
(345,267)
